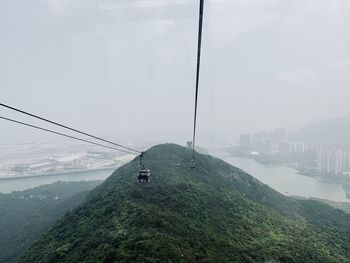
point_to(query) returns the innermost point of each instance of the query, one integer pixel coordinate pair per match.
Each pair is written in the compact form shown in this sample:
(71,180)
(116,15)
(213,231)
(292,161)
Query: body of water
(283,179)
(20,184)
(287,180)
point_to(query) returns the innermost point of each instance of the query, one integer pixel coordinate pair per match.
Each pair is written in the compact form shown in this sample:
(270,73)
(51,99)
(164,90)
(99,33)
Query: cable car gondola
(144,173)
(193,164)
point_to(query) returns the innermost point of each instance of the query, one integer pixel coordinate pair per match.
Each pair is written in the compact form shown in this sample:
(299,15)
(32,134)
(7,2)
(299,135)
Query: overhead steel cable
(64,135)
(69,128)
(200,25)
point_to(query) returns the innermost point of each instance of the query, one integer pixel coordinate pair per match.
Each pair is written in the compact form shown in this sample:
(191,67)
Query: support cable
(69,128)
(201,12)
(64,135)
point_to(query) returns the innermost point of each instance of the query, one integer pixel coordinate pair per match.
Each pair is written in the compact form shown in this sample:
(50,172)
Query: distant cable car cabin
(193,164)
(144,173)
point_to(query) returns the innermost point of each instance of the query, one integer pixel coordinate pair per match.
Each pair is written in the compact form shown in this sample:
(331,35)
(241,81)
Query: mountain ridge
(26,215)
(216,213)
(331,132)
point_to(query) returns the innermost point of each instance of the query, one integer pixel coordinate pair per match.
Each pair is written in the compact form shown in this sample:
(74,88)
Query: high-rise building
(283,147)
(321,160)
(299,147)
(332,161)
(345,161)
(338,162)
(259,138)
(268,147)
(245,142)
(277,135)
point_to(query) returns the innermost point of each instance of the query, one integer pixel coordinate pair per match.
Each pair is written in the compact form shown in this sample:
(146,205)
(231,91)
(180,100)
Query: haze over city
(114,69)
(175,131)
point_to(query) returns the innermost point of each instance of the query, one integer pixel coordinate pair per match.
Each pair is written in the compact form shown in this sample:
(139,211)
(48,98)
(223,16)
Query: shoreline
(56,174)
(329,179)
(341,180)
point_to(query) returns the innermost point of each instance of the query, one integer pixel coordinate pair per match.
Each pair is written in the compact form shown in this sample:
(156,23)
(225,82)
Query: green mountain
(26,215)
(333,133)
(215,213)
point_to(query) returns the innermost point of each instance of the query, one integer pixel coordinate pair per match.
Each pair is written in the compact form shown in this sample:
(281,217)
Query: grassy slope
(216,213)
(27,214)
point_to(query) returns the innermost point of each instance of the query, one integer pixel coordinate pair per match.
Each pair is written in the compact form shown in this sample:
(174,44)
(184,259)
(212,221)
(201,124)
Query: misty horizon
(175,131)
(111,69)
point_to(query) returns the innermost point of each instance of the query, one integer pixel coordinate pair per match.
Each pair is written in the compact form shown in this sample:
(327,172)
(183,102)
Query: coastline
(58,173)
(342,180)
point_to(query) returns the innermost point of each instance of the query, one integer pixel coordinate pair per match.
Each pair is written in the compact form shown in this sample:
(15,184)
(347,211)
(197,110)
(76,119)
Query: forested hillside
(215,213)
(25,215)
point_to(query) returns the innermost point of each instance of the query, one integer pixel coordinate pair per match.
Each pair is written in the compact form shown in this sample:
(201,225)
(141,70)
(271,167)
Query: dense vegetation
(26,215)
(345,206)
(216,213)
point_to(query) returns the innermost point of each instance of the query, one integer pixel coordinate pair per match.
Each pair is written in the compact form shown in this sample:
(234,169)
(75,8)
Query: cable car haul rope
(144,172)
(200,28)
(62,134)
(67,127)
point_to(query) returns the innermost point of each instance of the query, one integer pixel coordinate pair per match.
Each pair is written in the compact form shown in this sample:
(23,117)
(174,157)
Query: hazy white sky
(128,68)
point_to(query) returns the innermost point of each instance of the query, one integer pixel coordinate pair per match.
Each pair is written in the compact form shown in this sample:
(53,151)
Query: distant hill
(215,213)
(26,215)
(333,133)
